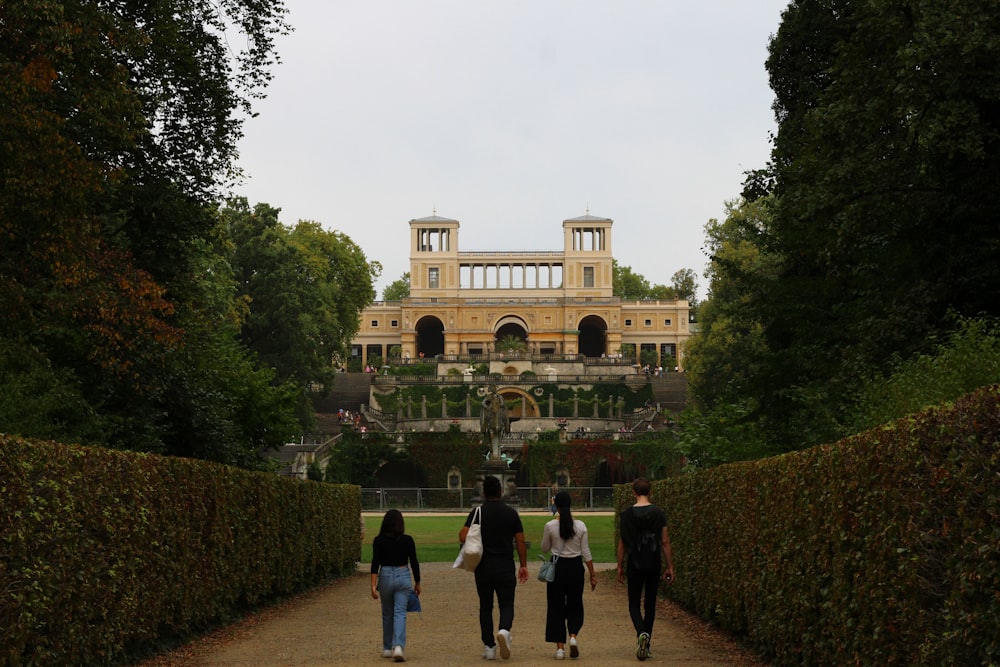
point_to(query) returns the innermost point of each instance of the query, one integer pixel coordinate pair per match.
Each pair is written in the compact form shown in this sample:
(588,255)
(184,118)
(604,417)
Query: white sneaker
(387,653)
(560,654)
(489,652)
(503,641)
(397,654)
(574,650)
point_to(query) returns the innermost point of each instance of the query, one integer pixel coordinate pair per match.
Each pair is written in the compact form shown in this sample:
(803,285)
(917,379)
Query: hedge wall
(883,548)
(106,554)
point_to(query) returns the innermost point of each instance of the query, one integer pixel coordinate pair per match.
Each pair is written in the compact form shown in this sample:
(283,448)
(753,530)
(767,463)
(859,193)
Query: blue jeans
(394,585)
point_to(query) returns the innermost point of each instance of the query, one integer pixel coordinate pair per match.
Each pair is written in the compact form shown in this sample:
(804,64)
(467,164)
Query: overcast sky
(511,116)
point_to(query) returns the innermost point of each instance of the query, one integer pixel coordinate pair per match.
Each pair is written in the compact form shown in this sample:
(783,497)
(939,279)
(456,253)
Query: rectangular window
(648,323)
(432,277)
(394,323)
(667,322)
(373,352)
(356,351)
(668,354)
(628,323)
(374,324)
(588,276)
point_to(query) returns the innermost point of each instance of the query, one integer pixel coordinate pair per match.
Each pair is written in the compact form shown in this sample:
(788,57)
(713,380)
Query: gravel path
(340,624)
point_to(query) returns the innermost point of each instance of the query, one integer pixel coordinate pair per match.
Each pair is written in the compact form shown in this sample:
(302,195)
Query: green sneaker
(642,651)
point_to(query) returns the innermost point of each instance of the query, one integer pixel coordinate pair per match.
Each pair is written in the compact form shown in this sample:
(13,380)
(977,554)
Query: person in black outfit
(501,528)
(642,517)
(392,549)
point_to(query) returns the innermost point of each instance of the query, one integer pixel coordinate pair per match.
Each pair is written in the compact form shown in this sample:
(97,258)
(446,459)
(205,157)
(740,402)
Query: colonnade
(511,275)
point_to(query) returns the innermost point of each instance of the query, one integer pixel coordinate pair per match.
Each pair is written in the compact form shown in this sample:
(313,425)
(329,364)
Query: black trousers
(495,576)
(642,610)
(564,595)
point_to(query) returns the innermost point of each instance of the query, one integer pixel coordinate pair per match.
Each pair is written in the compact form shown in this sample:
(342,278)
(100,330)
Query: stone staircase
(350,391)
(670,391)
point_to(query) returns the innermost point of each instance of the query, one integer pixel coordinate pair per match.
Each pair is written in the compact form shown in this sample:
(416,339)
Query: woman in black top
(392,549)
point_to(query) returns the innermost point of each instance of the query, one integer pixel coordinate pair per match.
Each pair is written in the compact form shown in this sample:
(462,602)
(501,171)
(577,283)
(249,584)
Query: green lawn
(437,536)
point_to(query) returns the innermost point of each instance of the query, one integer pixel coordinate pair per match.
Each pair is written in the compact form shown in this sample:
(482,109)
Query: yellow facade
(559,302)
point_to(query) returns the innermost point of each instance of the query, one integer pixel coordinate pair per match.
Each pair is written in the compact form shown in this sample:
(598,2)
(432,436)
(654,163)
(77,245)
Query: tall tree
(305,288)
(684,284)
(345,285)
(120,124)
(885,165)
(725,360)
(632,286)
(398,289)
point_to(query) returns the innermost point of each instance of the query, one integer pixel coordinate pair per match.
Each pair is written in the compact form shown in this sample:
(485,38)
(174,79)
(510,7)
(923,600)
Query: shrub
(879,549)
(108,552)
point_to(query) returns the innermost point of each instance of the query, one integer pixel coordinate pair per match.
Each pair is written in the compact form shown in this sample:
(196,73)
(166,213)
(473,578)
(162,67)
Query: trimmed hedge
(107,554)
(883,548)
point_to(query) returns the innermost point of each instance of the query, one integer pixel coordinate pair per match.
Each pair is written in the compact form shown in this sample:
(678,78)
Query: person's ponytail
(566,527)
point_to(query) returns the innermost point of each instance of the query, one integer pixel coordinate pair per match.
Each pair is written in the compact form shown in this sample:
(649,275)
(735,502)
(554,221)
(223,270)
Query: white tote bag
(472,551)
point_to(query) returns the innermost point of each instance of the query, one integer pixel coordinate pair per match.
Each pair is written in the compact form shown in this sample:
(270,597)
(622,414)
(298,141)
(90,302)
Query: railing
(525,498)
(507,356)
(384,419)
(511,253)
(537,357)
(493,296)
(541,299)
(496,378)
(512,442)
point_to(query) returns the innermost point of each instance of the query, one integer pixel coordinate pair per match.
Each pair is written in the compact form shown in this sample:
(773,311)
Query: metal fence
(525,498)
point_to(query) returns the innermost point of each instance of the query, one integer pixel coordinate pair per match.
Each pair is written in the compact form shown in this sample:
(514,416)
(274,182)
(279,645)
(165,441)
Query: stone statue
(493,422)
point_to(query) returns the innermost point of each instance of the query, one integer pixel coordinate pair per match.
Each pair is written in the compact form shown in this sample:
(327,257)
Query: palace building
(559,302)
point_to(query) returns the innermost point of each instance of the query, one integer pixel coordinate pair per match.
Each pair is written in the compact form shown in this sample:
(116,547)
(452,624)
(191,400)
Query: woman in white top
(566,538)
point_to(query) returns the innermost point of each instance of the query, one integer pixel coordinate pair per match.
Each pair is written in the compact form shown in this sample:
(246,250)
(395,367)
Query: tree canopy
(123,315)
(398,289)
(881,206)
(304,288)
(632,286)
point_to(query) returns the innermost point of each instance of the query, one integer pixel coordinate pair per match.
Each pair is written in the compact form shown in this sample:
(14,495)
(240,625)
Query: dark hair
(392,524)
(566,528)
(641,486)
(491,487)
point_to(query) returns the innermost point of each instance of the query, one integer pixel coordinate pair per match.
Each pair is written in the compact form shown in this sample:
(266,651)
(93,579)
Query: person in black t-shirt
(393,554)
(643,577)
(501,528)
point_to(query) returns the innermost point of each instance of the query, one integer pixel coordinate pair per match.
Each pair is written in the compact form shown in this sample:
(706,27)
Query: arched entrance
(593,334)
(430,336)
(519,404)
(512,326)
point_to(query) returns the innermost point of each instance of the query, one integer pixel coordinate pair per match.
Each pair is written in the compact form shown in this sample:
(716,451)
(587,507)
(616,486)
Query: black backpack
(647,545)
